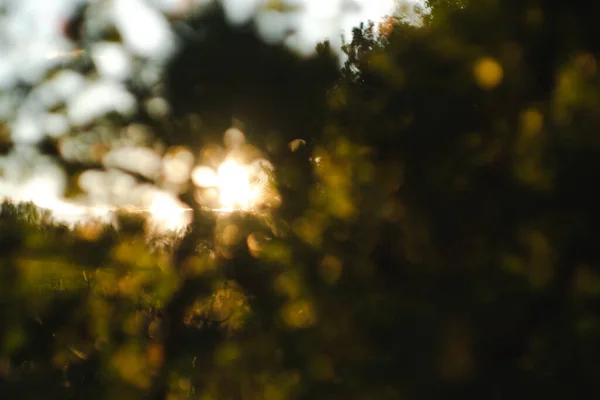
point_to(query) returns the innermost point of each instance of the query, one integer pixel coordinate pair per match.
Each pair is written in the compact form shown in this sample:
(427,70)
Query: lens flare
(236,186)
(235,190)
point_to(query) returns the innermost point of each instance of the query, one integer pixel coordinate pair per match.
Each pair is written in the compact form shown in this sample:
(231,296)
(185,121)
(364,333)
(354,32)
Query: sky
(318,19)
(31,44)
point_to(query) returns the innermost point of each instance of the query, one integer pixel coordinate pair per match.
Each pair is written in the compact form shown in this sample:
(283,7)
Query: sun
(232,182)
(235,189)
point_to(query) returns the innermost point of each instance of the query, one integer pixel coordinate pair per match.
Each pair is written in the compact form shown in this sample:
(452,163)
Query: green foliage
(437,232)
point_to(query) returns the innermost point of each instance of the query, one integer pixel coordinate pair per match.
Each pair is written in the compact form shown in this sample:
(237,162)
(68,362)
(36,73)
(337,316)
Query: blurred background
(68,64)
(402,209)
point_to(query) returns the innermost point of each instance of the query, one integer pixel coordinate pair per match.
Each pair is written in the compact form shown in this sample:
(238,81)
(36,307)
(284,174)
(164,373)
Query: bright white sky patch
(111,60)
(318,20)
(97,99)
(144,29)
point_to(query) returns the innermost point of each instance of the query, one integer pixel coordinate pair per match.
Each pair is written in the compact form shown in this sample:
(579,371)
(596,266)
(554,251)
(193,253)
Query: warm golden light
(242,180)
(168,213)
(235,190)
(488,73)
(235,185)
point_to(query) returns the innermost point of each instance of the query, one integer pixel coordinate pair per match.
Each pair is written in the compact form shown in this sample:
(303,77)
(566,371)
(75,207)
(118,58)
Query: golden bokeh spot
(532,122)
(288,285)
(309,230)
(296,143)
(124,252)
(184,384)
(132,325)
(255,242)
(207,196)
(278,252)
(129,285)
(130,365)
(330,269)
(195,266)
(231,235)
(337,177)
(155,329)
(299,314)
(488,73)
(156,355)
(225,302)
(233,138)
(342,206)
(134,252)
(177,164)
(212,155)
(192,266)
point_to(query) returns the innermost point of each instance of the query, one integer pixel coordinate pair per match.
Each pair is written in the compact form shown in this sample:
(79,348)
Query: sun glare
(232,185)
(235,190)
(167,213)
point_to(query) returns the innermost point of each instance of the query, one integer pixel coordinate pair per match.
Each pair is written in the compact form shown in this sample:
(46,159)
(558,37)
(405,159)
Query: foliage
(436,237)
